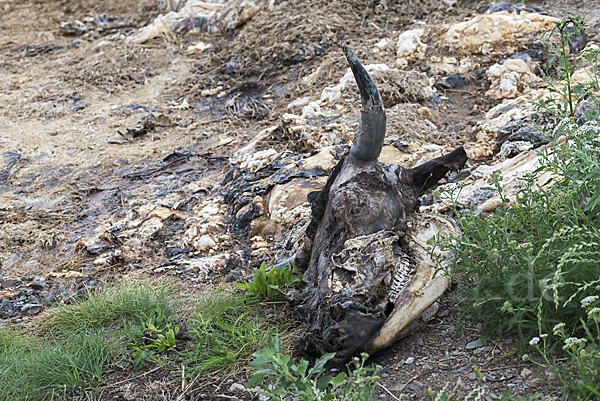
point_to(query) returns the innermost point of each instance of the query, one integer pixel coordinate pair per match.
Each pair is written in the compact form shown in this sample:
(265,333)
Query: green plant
(161,340)
(226,330)
(566,97)
(477,394)
(531,264)
(581,374)
(135,304)
(507,395)
(269,284)
(34,370)
(286,376)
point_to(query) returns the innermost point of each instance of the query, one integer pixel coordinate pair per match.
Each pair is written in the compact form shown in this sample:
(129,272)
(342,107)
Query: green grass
(32,369)
(226,330)
(80,343)
(134,304)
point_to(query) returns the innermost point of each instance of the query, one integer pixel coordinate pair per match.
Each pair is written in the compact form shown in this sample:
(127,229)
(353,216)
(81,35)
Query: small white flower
(572,342)
(543,335)
(594,311)
(507,307)
(558,329)
(534,340)
(588,300)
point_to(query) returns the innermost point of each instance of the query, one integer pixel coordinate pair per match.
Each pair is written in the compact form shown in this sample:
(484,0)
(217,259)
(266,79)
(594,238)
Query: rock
(72,28)
(585,110)
(549,374)
(410,46)
(234,275)
(527,134)
(511,79)
(6,304)
(472,376)
(452,81)
(237,388)
(409,360)
(9,283)
(416,386)
(486,33)
(96,249)
(474,344)
(525,373)
(31,309)
(38,284)
(511,8)
(48,299)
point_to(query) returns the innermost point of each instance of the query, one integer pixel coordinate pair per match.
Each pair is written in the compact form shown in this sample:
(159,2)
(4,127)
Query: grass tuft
(32,370)
(226,330)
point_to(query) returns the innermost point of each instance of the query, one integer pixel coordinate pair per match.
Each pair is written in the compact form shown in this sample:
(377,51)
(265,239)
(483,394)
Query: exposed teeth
(401,278)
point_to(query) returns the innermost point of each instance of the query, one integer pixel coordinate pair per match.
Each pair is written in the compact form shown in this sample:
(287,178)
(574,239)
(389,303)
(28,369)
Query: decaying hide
(368,272)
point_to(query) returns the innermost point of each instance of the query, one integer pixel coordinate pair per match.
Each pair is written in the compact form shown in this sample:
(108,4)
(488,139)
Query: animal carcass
(368,271)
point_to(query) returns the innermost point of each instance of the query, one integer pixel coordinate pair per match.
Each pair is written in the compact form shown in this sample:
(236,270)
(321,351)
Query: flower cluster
(573,342)
(559,329)
(507,307)
(589,300)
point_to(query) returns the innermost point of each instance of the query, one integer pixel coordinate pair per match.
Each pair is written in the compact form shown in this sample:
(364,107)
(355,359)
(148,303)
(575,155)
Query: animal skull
(368,272)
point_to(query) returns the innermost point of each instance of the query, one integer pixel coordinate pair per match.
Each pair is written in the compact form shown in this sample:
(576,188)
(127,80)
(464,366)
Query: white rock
(300,102)
(410,46)
(204,242)
(482,33)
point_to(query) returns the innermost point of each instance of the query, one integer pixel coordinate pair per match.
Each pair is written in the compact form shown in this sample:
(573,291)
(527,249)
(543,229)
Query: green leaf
(320,363)
(260,361)
(324,382)
(339,379)
(258,376)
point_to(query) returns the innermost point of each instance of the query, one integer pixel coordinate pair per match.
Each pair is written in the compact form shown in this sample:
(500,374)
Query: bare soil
(93,131)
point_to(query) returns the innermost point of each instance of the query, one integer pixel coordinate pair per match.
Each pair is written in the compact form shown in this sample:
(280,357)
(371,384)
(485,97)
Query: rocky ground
(190,154)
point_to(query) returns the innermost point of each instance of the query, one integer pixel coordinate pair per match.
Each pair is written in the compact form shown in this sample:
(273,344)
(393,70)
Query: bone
(368,273)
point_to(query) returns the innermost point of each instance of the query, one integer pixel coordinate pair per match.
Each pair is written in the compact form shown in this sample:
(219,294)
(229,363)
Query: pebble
(234,275)
(237,388)
(9,283)
(31,309)
(409,360)
(474,344)
(417,386)
(452,81)
(471,376)
(6,304)
(525,373)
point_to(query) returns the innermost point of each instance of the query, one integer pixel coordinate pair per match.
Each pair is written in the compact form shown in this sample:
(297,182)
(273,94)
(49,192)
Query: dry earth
(112,153)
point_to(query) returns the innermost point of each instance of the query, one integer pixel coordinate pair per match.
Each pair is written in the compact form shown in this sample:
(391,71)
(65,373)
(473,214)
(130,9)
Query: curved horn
(368,142)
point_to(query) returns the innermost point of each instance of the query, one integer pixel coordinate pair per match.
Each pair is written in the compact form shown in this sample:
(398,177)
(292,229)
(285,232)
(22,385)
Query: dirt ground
(112,153)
